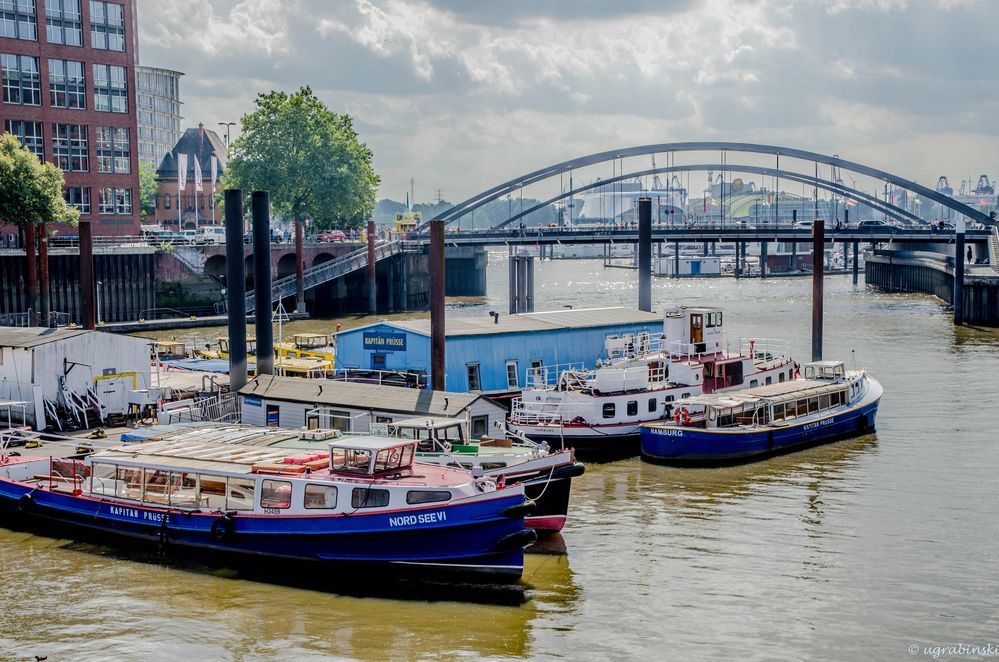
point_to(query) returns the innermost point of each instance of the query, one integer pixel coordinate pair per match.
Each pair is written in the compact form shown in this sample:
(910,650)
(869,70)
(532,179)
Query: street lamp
(227,125)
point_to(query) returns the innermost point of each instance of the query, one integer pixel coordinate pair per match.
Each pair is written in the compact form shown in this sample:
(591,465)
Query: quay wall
(933,273)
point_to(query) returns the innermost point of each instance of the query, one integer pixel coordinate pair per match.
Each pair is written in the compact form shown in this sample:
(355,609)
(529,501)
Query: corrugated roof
(332,393)
(28,338)
(528,322)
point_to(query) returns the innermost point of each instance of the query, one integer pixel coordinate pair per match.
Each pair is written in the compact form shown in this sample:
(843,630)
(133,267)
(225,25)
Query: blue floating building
(493,353)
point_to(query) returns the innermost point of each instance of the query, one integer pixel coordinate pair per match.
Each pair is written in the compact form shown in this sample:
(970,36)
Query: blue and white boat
(828,403)
(362,503)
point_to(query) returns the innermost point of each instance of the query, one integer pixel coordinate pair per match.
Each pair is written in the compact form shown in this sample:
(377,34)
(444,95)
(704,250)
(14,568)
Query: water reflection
(83,599)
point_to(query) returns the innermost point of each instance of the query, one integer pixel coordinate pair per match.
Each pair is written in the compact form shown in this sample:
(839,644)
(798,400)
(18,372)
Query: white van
(211,235)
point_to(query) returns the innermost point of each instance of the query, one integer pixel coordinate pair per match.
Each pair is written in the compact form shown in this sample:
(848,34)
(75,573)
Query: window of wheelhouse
(351,460)
(394,459)
(275,494)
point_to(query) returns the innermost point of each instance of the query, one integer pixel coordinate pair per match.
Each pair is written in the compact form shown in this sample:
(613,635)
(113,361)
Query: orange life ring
(682,416)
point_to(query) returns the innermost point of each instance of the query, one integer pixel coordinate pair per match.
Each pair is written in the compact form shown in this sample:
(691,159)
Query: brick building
(68,92)
(190,209)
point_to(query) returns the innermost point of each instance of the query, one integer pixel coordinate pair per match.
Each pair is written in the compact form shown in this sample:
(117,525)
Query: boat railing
(685,351)
(765,349)
(547,377)
(546,412)
(635,347)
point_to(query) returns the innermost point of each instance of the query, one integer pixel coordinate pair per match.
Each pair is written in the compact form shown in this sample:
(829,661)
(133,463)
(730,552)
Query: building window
(21,81)
(66,84)
(119,201)
(110,89)
(79,197)
(512,380)
(474,383)
(63,22)
(107,26)
(166,201)
(30,135)
(17,19)
(112,150)
(480,426)
(69,147)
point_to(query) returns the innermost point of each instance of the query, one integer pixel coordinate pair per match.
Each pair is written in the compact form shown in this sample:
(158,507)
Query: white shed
(285,402)
(39,365)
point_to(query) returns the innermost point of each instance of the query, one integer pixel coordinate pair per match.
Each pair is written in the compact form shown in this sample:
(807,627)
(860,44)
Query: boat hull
(550,492)
(589,442)
(684,446)
(474,539)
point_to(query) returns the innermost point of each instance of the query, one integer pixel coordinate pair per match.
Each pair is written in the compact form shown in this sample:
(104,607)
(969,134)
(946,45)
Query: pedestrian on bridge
(969,254)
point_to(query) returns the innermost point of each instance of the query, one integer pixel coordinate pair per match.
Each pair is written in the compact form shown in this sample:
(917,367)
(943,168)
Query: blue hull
(696,446)
(466,539)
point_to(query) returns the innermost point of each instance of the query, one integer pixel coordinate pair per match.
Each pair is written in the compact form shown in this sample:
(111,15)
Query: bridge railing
(994,249)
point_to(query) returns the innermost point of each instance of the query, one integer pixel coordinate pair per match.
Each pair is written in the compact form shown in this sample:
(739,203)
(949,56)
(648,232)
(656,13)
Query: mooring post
(43,271)
(794,255)
(235,288)
(763,259)
(959,272)
(856,262)
(30,271)
(437,305)
(645,254)
(299,265)
(818,271)
(372,271)
(260,209)
(89,317)
(846,255)
(676,259)
(521,284)
(512,280)
(529,296)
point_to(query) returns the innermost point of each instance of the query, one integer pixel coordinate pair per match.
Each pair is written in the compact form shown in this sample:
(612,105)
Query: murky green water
(851,551)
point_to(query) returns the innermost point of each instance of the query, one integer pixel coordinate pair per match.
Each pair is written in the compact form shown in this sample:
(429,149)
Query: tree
(147,190)
(30,191)
(307,156)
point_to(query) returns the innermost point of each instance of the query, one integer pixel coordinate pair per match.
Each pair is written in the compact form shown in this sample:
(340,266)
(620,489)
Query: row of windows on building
(110,201)
(160,120)
(204,201)
(70,146)
(64,23)
(22,84)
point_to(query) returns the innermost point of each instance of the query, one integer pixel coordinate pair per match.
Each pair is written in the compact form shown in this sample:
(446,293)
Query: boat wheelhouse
(829,402)
(361,501)
(643,378)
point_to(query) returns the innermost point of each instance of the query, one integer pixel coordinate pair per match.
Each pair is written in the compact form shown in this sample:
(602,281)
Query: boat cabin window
(104,480)
(275,494)
(769,380)
(632,407)
(320,496)
(427,496)
(684,395)
(609,410)
(240,494)
(652,404)
(395,458)
(754,383)
(369,498)
(712,320)
(669,398)
(780,377)
(836,371)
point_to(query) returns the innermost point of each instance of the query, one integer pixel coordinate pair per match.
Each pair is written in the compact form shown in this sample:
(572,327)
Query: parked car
(211,235)
(875,226)
(331,235)
(803,225)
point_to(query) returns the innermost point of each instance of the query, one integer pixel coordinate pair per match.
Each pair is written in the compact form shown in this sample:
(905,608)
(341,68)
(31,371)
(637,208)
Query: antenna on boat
(853,352)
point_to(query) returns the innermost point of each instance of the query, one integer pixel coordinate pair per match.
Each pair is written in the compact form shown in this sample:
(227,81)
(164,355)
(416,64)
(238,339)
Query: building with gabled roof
(190,209)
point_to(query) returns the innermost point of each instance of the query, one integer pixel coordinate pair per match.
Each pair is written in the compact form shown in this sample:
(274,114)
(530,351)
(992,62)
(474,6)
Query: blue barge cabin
(492,354)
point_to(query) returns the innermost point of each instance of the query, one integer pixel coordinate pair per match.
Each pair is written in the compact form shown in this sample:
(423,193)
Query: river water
(856,550)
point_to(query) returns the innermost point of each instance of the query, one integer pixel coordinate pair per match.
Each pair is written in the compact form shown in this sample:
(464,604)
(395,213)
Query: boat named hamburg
(828,403)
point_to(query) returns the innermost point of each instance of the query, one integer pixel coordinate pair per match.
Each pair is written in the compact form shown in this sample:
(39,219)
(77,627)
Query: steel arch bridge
(559,169)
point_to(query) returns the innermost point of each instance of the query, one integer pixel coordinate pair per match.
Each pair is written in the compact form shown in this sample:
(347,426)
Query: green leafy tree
(308,157)
(147,190)
(30,191)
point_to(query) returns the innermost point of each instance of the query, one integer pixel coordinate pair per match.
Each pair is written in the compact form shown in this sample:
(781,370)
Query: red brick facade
(106,224)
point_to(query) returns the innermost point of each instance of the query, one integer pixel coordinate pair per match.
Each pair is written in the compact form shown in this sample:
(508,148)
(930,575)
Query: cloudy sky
(463,94)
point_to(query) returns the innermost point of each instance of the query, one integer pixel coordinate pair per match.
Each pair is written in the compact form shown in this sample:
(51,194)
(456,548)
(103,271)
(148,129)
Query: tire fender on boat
(222,528)
(25,502)
(520,510)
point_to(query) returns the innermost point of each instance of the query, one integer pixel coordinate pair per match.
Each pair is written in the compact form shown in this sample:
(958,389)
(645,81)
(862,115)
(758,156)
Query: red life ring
(682,416)
(797,370)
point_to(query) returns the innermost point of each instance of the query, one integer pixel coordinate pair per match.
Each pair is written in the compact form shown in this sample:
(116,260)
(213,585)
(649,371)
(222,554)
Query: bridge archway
(567,167)
(286,265)
(215,266)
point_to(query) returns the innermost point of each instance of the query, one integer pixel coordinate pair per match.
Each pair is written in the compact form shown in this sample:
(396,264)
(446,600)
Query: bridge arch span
(476,201)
